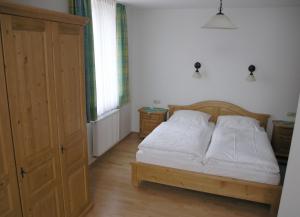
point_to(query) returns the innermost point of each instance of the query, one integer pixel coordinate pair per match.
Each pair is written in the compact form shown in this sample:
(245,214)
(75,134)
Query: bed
(213,173)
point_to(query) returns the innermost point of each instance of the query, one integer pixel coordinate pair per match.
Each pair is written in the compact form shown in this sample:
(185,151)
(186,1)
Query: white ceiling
(210,3)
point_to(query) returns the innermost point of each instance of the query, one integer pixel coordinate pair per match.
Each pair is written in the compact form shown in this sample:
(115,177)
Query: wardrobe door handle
(23,172)
(62,149)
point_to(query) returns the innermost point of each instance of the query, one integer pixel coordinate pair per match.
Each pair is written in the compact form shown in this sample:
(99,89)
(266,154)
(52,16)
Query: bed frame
(240,189)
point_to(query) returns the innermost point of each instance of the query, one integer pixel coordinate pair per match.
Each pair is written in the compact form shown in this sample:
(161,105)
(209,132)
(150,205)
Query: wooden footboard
(252,191)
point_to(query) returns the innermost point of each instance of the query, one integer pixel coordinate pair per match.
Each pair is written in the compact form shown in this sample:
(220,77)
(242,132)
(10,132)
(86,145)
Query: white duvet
(182,138)
(248,149)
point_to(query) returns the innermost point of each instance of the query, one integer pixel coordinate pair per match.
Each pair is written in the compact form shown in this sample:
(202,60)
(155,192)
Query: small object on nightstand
(150,118)
(281,139)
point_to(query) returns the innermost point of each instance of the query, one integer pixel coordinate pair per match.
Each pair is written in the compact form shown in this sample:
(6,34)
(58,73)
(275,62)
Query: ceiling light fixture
(220,20)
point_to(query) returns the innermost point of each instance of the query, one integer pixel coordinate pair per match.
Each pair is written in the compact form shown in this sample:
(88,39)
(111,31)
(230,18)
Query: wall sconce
(251,76)
(197,73)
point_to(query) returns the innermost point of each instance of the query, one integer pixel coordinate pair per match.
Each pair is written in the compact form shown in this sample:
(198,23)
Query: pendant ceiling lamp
(220,20)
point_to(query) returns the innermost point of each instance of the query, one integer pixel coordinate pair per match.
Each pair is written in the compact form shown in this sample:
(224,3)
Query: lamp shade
(197,75)
(219,21)
(251,78)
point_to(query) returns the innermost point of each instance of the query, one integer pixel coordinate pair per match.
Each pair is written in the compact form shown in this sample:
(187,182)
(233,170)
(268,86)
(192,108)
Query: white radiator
(106,132)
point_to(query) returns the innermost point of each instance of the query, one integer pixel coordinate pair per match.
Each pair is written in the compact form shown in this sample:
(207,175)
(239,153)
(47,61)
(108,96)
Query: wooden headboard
(217,108)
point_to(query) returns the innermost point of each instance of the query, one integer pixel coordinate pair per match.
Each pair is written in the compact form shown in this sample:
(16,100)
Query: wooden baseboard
(251,191)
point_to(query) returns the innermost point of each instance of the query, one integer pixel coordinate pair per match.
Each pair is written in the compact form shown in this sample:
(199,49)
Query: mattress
(191,163)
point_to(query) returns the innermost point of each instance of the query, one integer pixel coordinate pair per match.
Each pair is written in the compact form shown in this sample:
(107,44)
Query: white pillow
(190,117)
(238,122)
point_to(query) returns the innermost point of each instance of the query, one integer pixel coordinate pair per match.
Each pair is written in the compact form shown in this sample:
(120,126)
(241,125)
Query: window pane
(104,28)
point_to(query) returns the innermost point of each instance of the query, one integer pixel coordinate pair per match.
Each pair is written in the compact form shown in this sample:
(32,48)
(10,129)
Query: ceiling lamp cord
(220,20)
(221,8)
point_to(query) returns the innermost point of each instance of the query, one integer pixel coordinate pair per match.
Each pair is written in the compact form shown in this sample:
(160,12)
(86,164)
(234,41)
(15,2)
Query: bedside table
(282,138)
(150,118)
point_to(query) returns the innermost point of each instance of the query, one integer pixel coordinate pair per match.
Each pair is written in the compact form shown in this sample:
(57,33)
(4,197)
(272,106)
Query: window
(105,48)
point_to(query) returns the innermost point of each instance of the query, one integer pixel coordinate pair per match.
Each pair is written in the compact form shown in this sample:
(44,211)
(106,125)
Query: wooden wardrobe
(43,152)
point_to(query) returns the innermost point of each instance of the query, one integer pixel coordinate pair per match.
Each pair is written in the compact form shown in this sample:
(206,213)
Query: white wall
(125,120)
(165,44)
(289,206)
(57,5)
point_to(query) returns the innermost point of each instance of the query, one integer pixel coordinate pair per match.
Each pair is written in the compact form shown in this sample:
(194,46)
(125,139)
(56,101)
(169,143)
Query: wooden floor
(114,196)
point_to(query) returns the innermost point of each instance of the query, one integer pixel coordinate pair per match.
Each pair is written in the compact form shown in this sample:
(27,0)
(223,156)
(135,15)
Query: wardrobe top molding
(38,13)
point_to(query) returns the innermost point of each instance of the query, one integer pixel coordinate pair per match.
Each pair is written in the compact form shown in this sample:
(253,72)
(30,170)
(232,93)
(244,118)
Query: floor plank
(114,196)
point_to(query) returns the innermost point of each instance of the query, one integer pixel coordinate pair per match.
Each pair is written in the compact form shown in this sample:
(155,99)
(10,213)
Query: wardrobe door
(69,76)
(9,193)
(30,85)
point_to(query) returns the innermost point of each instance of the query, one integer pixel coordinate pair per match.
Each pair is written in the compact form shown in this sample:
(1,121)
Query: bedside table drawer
(285,132)
(148,126)
(283,151)
(282,139)
(151,116)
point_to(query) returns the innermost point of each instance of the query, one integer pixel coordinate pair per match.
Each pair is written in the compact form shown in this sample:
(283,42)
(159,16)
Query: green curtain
(122,45)
(83,8)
